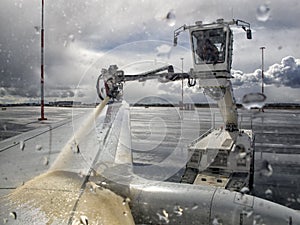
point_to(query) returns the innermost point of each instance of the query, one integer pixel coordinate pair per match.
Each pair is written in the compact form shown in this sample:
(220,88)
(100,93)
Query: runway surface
(277,146)
(160,137)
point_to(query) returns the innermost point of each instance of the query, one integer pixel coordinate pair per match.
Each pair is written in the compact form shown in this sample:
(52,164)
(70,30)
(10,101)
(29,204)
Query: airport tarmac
(159,139)
(277,146)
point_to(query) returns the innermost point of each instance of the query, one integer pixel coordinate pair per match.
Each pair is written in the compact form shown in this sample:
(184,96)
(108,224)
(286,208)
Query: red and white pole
(42,65)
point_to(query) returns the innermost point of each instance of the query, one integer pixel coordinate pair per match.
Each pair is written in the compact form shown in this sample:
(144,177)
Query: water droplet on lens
(45,161)
(84,220)
(254,100)
(81,174)
(171,18)
(126,200)
(13,215)
(244,190)
(216,221)
(263,12)
(164,216)
(178,210)
(22,145)
(163,51)
(258,220)
(77,148)
(248,212)
(195,207)
(38,147)
(37,29)
(76,222)
(72,37)
(268,193)
(92,186)
(242,155)
(266,168)
(103,183)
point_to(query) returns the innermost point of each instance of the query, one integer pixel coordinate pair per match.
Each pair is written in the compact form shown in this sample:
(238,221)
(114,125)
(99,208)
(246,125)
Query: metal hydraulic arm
(211,46)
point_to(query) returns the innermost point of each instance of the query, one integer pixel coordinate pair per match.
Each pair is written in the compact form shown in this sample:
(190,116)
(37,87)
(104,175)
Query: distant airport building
(64,103)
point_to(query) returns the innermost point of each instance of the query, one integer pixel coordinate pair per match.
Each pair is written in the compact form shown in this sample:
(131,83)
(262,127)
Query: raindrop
(216,221)
(37,29)
(266,168)
(81,174)
(163,50)
(244,190)
(171,18)
(164,216)
(76,222)
(22,145)
(242,155)
(77,148)
(93,186)
(178,210)
(126,200)
(268,193)
(291,199)
(13,215)
(45,161)
(38,147)
(263,12)
(248,213)
(84,220)
(254,100)
(195,207)
(258,220)
(72,37)
(104,183)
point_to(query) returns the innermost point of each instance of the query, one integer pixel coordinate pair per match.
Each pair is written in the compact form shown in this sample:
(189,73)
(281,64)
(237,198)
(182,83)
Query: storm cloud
(78,33)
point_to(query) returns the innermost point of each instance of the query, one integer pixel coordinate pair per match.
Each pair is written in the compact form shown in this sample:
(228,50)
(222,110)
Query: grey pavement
(159,140)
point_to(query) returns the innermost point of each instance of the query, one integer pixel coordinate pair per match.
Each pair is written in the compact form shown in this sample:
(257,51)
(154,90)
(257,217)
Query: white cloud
(286,73)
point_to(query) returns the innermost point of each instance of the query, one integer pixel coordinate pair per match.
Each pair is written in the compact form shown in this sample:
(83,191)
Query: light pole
(42,65)
(262,69)
(182,84)
(262,72)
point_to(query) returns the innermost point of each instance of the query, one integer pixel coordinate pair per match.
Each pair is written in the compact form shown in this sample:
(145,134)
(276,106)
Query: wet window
(209,46)
(160,108)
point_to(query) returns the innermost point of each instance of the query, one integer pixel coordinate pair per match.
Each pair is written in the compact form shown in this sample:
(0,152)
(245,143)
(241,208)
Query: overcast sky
(81,37)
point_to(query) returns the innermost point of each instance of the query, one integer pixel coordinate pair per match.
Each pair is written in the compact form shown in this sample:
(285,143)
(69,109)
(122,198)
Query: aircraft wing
(64,193)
